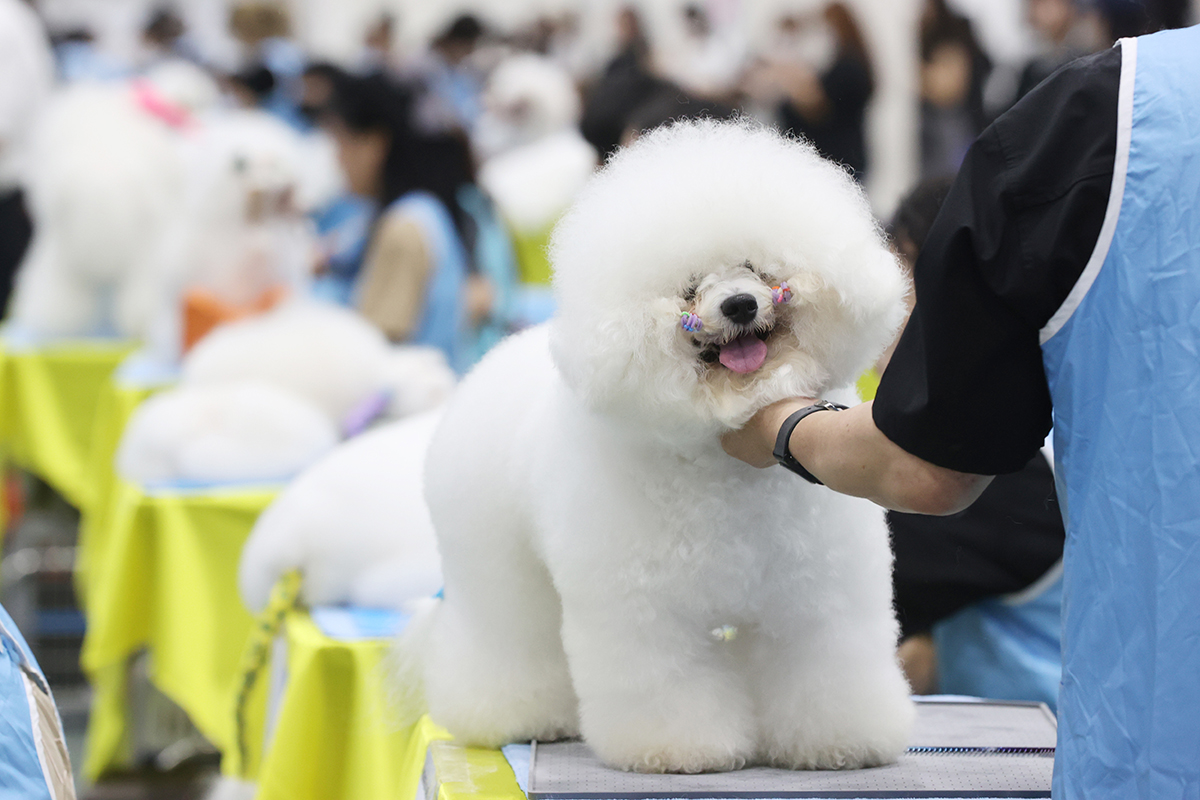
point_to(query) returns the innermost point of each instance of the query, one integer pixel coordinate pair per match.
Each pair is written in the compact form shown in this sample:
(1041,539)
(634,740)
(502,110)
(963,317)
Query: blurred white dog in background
(354,524)
(264,397)
(609,570)
(106,183)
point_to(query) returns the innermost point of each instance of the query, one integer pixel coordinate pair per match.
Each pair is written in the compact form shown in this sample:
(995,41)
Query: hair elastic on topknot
(781,293)
(690,322)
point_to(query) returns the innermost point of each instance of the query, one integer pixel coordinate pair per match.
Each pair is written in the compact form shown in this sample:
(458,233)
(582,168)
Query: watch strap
(783,453)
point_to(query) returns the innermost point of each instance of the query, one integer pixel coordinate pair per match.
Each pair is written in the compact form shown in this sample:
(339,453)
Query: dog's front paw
(688,760)
(851,756)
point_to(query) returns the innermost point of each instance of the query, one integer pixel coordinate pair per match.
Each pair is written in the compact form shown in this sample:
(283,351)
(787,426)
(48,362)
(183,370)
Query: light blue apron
(1122,358)
(22,773)
(1005,648)
(441,323)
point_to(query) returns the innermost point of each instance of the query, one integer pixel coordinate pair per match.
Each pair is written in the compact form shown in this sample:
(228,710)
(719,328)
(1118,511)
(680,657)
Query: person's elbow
(925,488)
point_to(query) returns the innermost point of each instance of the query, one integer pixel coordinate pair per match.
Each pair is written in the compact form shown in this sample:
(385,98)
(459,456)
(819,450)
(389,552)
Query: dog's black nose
(741,308)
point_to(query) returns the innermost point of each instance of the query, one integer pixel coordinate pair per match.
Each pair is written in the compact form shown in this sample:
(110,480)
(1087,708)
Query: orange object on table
(203,310)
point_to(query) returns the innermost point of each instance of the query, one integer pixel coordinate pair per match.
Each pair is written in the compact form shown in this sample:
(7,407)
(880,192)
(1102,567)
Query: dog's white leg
(495,670)
(655,695)
(832,699)
(50,300)
(135,304)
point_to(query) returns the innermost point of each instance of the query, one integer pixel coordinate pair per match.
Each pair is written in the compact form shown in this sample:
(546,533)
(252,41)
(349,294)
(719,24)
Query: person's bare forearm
(850,455)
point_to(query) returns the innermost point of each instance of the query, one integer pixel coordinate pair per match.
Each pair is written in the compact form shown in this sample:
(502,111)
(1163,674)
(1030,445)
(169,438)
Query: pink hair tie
(780,293)
(690,322)
(154,103)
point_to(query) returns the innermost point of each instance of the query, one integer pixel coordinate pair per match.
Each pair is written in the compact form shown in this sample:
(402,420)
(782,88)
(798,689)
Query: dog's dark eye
(749,266)
(689,294)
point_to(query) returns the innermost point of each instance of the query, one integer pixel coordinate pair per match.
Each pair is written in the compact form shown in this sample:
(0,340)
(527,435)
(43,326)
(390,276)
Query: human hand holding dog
(755,441)
(850,455)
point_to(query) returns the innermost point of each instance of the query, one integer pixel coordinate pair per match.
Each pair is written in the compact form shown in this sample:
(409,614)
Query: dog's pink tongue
(744,354)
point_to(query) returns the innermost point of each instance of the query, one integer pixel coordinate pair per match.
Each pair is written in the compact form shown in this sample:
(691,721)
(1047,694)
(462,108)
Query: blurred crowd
(431,171)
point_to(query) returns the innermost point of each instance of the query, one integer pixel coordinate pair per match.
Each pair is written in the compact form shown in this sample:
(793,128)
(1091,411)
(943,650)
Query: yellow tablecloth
(162,575)
(332,736)
(48,403)
(114,406)
(454,772)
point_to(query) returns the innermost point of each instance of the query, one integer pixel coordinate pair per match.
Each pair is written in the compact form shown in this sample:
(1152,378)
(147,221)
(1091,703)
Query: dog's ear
(625,362)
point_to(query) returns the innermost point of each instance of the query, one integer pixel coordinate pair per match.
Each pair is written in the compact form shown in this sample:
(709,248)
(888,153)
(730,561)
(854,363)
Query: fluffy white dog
(355,524)
(329,373)
(609,571)
(534,159)
(106,182)
(227,433)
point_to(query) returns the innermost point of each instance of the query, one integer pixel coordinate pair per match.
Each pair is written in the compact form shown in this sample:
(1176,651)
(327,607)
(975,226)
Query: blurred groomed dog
(609,571)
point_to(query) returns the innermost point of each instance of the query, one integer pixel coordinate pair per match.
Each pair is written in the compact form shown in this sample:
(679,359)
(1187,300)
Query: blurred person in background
(264,31)
(251,87)
(708,61)
(343,224)
(978,594)
(164,38)
(954,68)
(413,282)
(1063,32)
(449,82)
(626,83)
(819,73)
(26,78)
(376,55)
(79,58)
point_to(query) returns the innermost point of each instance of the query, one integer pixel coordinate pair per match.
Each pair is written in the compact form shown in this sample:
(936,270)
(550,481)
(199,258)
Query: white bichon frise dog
(609,570)
(355,525)
(262,398)
(106,183)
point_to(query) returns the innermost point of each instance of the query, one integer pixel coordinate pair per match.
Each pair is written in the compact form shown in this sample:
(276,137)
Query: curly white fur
(534,159)
(355,524)
(237,431)
(327,354)
(105,184)
(324,357)
(594,536)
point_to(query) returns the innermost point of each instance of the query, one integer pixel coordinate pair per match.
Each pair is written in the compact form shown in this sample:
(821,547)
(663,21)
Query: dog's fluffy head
(704,218)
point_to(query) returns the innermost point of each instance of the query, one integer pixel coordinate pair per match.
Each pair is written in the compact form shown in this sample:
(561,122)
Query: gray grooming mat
(959,749)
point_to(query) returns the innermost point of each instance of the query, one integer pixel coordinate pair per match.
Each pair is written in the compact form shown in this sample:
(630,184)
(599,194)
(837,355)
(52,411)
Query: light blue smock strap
(1122,359)
(441,323)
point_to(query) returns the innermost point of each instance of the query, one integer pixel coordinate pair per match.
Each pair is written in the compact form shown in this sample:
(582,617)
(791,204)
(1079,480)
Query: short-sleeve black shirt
(966,388)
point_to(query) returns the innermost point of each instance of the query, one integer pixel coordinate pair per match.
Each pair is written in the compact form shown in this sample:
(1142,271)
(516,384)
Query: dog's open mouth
(744,354)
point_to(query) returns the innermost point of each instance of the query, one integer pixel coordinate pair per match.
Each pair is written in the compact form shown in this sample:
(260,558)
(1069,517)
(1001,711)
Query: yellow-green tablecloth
(115,404)
(333,736)
(162,575)
(454,772)
(533,259)
(48,403)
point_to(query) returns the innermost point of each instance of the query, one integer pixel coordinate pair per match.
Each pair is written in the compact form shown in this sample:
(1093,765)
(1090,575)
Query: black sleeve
(1009,538)
(966,388)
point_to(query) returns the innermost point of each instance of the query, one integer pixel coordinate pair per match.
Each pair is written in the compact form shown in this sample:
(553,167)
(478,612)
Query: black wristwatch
(781,452)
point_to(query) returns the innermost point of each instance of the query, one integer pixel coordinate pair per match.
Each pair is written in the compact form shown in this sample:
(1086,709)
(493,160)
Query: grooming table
(961,747)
